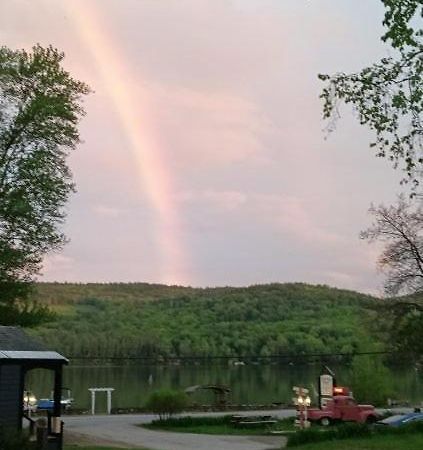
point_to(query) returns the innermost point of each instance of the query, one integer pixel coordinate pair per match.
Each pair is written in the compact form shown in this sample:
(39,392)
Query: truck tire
(325,421)
(371,419)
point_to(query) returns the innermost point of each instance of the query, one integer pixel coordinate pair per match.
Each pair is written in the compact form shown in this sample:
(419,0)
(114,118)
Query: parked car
(399,420)
(66,401)
(342,408)
(29,402)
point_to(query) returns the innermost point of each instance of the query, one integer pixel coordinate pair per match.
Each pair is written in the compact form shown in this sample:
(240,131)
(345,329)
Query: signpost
(325,388)
(326,382)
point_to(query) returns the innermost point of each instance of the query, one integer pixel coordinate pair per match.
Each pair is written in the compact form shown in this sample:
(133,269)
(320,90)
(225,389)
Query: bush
(353,430)
(413,427)
(10,440)
(344,431)
(189,421)
(166,402)
(349,431)
(311,435)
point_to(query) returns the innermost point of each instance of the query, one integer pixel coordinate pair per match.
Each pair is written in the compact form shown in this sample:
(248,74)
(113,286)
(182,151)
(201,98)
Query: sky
(205,159)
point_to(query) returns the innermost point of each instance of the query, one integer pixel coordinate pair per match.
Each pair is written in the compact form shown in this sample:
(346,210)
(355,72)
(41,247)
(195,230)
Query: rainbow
(155,179)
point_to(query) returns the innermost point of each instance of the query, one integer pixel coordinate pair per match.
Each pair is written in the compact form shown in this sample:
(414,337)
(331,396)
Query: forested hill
(138,319)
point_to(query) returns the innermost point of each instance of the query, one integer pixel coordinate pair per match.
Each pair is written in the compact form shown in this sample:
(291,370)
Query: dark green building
(20,353)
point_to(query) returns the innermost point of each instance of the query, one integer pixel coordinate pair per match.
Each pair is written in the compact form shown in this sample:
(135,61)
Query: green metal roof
(16,344)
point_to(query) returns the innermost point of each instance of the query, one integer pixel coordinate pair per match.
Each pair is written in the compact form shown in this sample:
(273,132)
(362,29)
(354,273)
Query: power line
(226,357)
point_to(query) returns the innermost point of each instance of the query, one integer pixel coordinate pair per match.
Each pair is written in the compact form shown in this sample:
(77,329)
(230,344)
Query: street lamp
(302,401)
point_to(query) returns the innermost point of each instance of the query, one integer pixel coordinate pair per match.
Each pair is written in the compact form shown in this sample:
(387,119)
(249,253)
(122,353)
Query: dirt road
(123,430)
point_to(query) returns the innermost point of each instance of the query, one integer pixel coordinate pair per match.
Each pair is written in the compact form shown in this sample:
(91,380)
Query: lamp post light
(302,400)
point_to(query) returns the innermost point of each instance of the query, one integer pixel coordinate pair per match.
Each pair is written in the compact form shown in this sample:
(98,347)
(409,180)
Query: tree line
(288,319)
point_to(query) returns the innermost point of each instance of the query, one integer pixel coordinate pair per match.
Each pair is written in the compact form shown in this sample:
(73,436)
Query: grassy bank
(403,442)
(359,434)
(217,425)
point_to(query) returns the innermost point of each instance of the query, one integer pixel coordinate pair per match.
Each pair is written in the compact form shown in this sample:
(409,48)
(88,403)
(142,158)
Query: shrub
(10,440)
(413,427)
(310,435)
(189,421)
(349,431)
(344,431)
(166,402)
(353,430)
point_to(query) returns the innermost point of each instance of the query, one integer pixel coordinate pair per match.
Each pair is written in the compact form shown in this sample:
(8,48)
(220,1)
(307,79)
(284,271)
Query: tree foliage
(400,228)
(388,95)
(370,380)
(40,106)
(407,328)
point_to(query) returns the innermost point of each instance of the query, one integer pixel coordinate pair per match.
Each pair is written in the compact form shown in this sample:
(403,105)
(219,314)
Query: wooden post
(57,407)
(109,398)
(42,434)
(92,401)
(109,402)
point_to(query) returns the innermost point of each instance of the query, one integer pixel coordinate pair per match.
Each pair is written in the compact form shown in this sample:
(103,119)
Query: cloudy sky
(204,159)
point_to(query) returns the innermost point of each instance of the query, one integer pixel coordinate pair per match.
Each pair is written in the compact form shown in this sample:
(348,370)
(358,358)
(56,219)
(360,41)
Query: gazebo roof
(16,344)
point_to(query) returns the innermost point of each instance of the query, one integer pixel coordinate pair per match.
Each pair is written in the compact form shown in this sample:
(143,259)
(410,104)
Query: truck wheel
(324,421)
(371,419)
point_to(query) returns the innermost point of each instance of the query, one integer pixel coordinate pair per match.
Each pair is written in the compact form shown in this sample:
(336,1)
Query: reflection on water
(249,383)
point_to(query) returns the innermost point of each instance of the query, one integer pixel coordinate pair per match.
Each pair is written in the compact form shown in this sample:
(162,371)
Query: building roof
(16,344)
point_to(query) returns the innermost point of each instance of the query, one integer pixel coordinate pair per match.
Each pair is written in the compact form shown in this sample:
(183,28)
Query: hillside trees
(40,106)
(287,319)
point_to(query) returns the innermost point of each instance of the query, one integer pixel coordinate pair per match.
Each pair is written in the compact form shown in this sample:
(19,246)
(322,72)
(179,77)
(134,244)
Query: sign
(326,385)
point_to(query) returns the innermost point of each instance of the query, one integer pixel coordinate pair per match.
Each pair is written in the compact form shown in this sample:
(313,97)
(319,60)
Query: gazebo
(20,353)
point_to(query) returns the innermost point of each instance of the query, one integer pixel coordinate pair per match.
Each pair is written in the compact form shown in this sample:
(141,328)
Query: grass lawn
(389,442)
(216,425)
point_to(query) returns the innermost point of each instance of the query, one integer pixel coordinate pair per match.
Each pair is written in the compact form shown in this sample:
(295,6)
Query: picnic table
(252,421)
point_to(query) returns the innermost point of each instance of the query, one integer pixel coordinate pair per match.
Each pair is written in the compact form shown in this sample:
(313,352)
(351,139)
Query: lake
(250,384)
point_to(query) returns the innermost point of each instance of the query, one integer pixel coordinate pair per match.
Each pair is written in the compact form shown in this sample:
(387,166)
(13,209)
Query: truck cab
(343,408)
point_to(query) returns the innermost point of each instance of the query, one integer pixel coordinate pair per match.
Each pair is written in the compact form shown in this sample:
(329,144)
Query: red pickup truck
(342,408)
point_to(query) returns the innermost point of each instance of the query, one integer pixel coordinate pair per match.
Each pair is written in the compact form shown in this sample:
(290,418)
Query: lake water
(250,384)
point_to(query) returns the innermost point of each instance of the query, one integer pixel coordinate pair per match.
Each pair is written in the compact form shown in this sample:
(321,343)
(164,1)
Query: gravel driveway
(123,430)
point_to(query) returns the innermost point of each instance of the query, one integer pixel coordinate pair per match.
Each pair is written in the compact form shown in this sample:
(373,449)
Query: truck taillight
(340,390)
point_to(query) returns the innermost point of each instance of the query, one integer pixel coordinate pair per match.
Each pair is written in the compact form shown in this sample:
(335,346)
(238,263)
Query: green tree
(388,98)
(400,229)
(388,95)
(370,380)
(40,106)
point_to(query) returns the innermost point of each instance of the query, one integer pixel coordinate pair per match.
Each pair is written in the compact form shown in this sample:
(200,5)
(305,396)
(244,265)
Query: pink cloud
(209,128)
(57,264)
